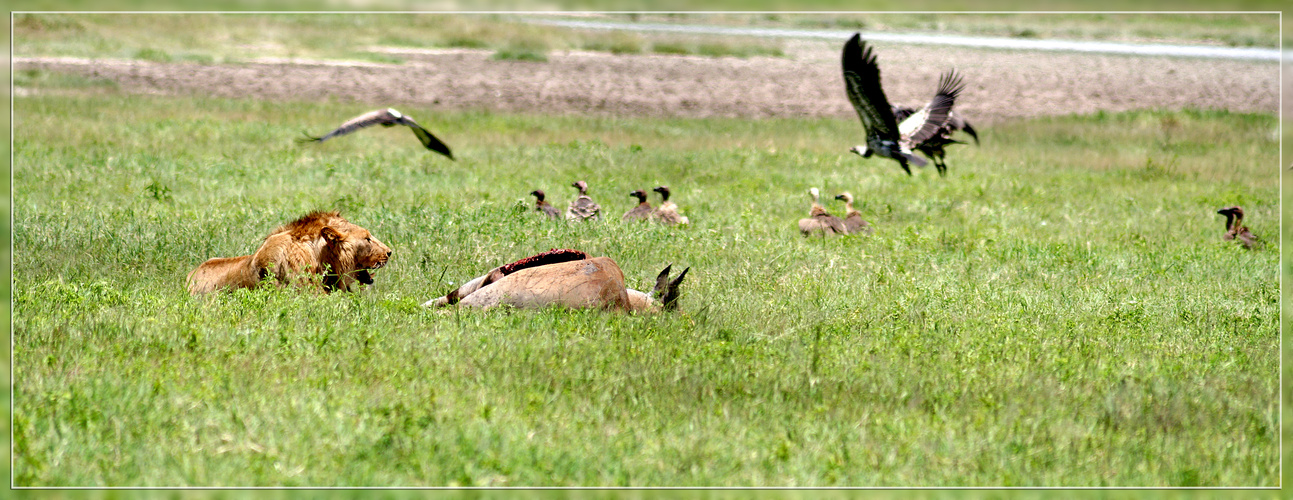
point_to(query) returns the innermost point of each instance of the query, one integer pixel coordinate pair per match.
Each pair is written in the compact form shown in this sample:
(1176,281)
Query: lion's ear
(331,234)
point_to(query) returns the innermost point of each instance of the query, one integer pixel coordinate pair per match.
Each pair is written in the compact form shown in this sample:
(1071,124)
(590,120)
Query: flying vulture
(387,118)
(884,134)
(933,147)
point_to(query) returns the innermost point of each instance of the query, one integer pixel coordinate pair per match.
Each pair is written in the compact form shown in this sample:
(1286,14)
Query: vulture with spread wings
(934,147)
(884,134)
(387,118)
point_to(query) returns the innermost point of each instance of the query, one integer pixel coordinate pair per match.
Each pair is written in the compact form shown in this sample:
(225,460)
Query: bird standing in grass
(643,209)
(668,211)
(1236,230)
(884,135)
(542,206)
(819,220)
(388,117)
(583,207)
(853,222)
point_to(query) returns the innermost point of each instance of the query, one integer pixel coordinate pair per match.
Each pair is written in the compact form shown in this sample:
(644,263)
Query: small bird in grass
(852,218)
(668,211)
(643,209)
(388,117)
(884,135)
(583,207)
(1235,229)
(542,206)
(819,220)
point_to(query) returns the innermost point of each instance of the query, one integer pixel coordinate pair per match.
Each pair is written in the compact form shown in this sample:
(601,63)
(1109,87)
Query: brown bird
(821,220)
(885,136)
(642,211)
(668,211)
(852,218)
(1235,229)
(543,206)
(387,118)
(933,148)
(583,207)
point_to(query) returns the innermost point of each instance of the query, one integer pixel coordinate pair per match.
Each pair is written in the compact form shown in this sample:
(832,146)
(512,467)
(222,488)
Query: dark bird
(884,135)
(933,148)
(387,118)
(542,206)
(583,207)
(642,211)
(821,220)
(852,218)
(668,211)
(1235,229)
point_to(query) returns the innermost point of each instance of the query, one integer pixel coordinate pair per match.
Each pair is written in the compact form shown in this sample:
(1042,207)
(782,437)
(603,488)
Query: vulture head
(1234,211)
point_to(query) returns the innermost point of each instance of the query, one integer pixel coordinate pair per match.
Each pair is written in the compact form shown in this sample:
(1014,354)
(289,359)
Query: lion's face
(352,256)
(370,255)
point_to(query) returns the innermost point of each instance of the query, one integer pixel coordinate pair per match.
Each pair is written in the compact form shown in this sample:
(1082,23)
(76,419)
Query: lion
(566,278)
(322,250)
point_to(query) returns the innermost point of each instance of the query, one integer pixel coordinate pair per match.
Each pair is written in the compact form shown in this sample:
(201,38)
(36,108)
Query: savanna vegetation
(1059,311)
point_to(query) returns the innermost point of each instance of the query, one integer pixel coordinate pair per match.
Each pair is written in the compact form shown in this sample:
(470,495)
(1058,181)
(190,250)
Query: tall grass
(1059,311)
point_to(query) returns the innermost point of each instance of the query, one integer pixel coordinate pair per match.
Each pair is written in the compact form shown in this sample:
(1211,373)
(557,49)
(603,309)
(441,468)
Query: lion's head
(350,253)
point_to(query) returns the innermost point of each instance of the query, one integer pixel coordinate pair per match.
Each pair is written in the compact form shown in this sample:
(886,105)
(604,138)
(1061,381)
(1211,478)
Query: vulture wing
(428,140)
(830,222)
(901,113)
(365,120)
(583,207)
(926,123)
(862,83)
(958,123)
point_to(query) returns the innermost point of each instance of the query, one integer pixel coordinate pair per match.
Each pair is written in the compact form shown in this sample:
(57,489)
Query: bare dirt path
(1001,84)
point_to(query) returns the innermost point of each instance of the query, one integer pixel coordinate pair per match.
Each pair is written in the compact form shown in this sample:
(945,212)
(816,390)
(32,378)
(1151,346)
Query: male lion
(321,249)
(562,277)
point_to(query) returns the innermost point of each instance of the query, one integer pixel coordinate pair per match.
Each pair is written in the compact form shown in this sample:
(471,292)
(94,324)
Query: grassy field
(1059,311)
(208,38)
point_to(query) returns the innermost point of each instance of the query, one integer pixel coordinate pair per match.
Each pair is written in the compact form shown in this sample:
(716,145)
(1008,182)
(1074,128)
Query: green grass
(219,38)
(238,37)
(1059,311)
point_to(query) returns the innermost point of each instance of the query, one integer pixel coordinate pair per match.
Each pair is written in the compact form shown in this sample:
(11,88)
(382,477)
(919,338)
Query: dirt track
(1001,84)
